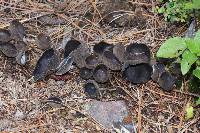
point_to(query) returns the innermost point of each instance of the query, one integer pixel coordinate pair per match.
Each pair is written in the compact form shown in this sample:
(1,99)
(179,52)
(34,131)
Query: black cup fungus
(17,30)
(8,49)
(101,74)
(47,63)
(92,61)
(166,81)
(70,47)
(137,53)
(4,35)
(138,74)
(43,41)
(111,61)
(86,73)
(100,47)
(158,69)
(91,90)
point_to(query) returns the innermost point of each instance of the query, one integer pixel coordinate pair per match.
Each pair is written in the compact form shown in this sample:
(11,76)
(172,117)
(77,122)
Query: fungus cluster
(95,65)
(11,42)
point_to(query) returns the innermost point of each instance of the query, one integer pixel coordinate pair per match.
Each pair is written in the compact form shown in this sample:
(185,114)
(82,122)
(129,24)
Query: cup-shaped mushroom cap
(101,74)
(4,35)
(47,63)
(99,48)
(8,49)
(92,61)
(158,69)
(70,47)
(79,55)
(43,41)
(166,81)
(91,89)
(119,51)
(175,69)
(64,66)
(137,53)
(86,73)
(111,61)
(138,74)
(21,46)
(17,30)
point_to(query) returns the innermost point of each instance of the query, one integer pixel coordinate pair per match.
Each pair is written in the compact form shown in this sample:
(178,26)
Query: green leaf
(188,59)
(171,48)
(196,72)
(188,5)
(198,101)
(197,36)
(189,111)
(193,45)
(161,10)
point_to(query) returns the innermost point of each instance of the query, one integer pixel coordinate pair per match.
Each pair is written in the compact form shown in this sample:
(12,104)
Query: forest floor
(89,21)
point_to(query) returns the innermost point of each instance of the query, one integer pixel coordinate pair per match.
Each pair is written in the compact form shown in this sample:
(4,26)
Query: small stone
(19,114)
(110,113)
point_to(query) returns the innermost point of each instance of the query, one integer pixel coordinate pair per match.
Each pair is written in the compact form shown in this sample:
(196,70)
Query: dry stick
(95,7)
(139,109)
(66,18)
(125,90)
(182,114)
(24,20)
(187,93)
(140,3)
(188,125)
(162,94)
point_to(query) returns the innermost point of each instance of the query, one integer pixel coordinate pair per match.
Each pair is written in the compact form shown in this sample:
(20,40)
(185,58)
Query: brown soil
(114,21)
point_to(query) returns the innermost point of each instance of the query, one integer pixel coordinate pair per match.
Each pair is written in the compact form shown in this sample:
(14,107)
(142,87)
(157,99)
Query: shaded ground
(21,101)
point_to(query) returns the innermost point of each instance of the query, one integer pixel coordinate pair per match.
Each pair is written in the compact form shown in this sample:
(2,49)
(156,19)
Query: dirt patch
(21,101)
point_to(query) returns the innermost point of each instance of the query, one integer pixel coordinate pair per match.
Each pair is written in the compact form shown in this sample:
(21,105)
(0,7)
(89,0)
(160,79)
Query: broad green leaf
(197,36)
(188,5)
(196,4)
(198,101)
(189,111)
(193,45)
(187,60)
(171,48)
(161,10)
(196,72)
(198,62)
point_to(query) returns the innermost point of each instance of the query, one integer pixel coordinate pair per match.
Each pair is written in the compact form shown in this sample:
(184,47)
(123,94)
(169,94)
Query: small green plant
(186,50)
(177,10)
(190,109)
